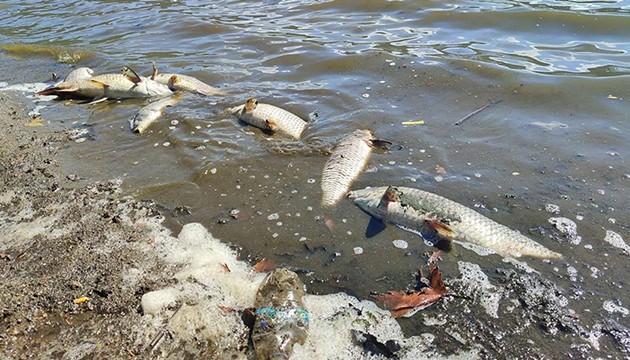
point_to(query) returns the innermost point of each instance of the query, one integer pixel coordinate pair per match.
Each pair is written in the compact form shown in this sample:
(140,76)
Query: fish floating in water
(270,118)
(346,162)
(148,114)
(418,211)
(281,318)
(110,86)
(181,82)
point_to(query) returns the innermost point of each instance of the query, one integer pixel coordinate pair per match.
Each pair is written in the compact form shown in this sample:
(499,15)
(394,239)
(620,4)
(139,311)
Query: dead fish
(79,74)
(270,118)
(177,82)
(281,318)
(346,162)
(110,86)
(434,216)
(148,114)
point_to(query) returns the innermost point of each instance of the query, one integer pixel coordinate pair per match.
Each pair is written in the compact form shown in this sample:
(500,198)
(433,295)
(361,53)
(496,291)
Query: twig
(461,121)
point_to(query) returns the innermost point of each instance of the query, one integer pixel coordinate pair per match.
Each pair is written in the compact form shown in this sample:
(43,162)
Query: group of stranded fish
(281,319)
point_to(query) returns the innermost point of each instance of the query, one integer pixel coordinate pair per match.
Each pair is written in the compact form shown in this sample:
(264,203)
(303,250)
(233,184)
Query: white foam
(194,306)
(616,240)
(568,227)
(476,283)
(612,308)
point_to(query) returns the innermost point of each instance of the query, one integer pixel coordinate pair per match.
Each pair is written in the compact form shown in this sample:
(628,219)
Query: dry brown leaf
(399,303)
(265,265)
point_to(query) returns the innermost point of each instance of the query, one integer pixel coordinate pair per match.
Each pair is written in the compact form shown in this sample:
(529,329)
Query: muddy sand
(89,273)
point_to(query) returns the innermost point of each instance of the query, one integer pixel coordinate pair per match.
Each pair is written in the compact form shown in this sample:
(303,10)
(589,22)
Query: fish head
(250,105)
(368,199)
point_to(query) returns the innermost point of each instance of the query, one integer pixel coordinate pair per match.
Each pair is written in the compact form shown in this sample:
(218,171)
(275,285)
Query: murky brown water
(559,134)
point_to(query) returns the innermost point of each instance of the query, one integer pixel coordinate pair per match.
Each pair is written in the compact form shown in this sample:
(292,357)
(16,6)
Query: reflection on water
(558,136)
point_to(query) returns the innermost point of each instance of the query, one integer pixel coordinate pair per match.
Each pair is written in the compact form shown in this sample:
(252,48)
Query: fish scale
(285,122)
(346,162)
(417,207)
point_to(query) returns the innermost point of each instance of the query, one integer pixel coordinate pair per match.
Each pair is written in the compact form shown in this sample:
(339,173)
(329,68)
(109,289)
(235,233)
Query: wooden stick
(461,121)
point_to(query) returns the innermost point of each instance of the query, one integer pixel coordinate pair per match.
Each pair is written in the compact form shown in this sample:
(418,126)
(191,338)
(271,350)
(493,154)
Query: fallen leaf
(265,265)
(400,303)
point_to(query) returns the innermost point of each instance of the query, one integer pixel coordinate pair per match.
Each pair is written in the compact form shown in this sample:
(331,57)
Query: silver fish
(79,74)
(270,118)
(187,83)
(346,162)
(417,210)
(148,114)
(281,319)
(110,86)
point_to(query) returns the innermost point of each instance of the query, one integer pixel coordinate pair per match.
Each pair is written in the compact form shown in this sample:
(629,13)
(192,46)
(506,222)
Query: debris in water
(265,265)
(415,122)
(550,125)
(372,346)
(403,303)
(281,318)
(461,121)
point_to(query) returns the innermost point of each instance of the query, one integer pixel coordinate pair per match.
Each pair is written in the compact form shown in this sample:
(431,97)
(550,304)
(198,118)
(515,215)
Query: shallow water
(559,134)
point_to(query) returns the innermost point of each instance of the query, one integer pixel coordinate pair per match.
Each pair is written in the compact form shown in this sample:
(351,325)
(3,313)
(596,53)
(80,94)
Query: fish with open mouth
(281,318)
(270,118)
(437,218)
(110,86)
(347,161)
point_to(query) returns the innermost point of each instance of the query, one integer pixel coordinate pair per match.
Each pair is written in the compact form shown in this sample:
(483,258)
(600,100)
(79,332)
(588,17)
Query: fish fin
(392,194)
(271,124)
(100,83)
(441,228)
(155,71)
(131,75)
(97,100)
(374,227)
(437,239)
(381,144)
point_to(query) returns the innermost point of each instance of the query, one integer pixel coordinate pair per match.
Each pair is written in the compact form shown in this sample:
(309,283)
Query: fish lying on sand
(423,212)
(148,114)
(270,118)
(346,162)
(110,86)
(281,319)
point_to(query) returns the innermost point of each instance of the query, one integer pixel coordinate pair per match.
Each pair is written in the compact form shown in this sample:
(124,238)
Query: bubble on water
(303,238)
(579,217)
(400,244)
(616,240)
(273,216)
(572,272)
(174,122)
(595,272)
(601,191)
(567,227)
(310,181)
(358,250)
(213,171)
(552,208)
(516,173)
(200,147)
(279,223)
(439,178)
(477,175)
(612,308)
(275,235)
(166,143)
(366,95)
(612,220)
